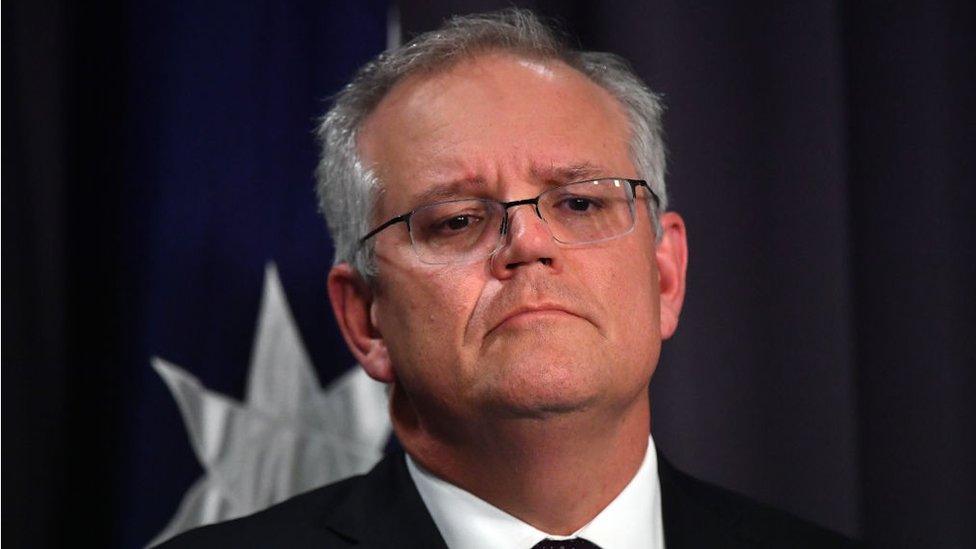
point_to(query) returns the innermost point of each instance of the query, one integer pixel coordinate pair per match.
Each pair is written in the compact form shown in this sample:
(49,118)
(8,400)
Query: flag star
(287,437)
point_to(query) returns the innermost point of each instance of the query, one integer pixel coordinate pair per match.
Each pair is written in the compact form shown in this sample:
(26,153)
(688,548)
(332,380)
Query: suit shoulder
(296,522)
(755,524)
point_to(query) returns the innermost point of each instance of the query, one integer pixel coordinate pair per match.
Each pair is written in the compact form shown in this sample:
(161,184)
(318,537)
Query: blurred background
(158,154)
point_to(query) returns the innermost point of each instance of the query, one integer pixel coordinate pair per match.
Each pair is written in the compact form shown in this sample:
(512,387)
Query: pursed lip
(529,309)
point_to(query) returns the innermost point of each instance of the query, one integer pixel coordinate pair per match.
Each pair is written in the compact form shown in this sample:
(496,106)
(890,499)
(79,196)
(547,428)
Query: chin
(550,368)
(541,408)
(542,389)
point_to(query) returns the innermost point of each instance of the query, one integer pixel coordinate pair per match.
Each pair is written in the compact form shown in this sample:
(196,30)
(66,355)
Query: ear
(672,264)
(352,302)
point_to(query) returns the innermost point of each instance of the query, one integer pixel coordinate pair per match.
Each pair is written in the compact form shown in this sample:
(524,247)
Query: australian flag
(226,257)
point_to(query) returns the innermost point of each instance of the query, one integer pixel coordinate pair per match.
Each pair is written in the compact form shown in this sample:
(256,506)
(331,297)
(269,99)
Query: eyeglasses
(461,231)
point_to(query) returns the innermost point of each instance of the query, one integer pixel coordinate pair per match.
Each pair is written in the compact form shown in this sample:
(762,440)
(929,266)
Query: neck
(555,473)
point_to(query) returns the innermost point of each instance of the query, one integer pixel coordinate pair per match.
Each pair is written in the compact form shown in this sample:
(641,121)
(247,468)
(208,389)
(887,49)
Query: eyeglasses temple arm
(634,183)
(398,219)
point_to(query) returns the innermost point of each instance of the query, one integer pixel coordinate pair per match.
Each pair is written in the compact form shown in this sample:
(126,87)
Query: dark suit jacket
(383,509)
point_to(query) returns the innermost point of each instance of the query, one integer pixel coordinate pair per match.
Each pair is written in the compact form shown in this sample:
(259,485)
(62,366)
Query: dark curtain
(157,154)
(822,154)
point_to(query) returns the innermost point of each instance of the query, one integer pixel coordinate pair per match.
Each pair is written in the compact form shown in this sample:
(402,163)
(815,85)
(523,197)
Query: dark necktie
(575,543)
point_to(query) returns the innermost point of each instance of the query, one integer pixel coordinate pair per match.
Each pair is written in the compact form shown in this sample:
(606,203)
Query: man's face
(539,327)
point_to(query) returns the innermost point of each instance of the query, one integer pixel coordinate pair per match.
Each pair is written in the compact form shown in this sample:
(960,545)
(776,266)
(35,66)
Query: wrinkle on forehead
(544,175)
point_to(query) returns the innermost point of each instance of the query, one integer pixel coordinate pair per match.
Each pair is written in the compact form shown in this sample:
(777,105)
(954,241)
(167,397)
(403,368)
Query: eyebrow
(550,175)
(445,191)
(579,171)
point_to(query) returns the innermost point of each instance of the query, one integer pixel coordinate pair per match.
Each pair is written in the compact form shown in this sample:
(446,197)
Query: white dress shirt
(632,520)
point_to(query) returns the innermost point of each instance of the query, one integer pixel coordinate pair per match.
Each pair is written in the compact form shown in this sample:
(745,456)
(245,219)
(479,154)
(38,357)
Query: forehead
(490,121)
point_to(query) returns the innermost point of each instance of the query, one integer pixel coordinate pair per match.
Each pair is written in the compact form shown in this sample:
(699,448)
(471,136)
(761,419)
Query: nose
(527,242)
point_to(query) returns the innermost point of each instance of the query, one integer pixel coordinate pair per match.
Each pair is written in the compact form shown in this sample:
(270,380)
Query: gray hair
(347,190)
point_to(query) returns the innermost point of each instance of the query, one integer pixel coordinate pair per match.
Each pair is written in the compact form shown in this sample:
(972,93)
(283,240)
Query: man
(506,263)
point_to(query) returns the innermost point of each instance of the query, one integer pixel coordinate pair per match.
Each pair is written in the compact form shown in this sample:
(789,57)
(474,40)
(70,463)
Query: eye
(451,221)
(457,223)
(452,225)
(579,204)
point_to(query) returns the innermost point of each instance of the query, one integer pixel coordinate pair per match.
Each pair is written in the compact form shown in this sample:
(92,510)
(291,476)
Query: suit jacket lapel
(385,510)
(693,516)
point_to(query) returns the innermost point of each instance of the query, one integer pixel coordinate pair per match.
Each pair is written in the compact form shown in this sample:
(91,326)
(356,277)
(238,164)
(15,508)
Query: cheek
(633,291)
(635,317)
(423,314)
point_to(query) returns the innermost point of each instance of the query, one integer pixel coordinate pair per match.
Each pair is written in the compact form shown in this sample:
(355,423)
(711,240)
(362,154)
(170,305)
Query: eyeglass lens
(468,230)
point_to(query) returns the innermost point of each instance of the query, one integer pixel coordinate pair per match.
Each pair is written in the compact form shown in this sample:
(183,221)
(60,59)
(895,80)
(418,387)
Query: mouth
(527,316)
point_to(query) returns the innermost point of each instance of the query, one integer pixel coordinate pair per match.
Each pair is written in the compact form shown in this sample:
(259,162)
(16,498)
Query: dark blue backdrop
(219,153)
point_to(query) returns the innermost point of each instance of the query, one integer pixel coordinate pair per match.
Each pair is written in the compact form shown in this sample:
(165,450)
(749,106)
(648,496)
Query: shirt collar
(631,520)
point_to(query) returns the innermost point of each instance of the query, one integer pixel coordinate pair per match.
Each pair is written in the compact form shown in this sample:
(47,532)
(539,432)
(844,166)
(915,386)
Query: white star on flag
(287,437)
